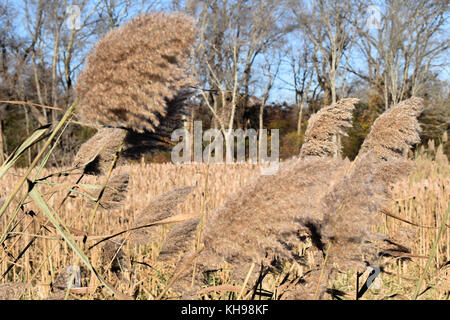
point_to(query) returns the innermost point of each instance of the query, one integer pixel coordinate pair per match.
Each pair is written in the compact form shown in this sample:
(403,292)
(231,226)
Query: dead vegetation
(421,199)
(168,231)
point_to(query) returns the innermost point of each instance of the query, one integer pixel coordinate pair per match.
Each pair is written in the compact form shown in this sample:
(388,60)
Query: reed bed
(136,270)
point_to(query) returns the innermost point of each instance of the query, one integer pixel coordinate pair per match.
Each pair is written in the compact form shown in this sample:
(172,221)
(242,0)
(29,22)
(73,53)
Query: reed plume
(261,223)
(115,192)
(96,154)
(395,131)
(113,257)
(326,123)
(134,71)
(179,240)
(352,205)
(337,203)
(159,208)
(62,279)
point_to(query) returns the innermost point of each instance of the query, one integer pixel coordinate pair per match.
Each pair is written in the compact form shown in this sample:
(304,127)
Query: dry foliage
(96,154)
(258,226)
(179,240)
(421,199)
(13,290)
(115,193)
(325,124)
(135,70)
(113,256)
(159,208)
(395,131)
(311,208)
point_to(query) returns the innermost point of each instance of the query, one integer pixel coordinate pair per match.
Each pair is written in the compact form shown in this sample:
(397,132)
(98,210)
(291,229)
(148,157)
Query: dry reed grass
(96,154)
(13,290)
(421,199)
(115,193)
(135,70)
(159,208)
(260,228)
(113,257)
(396,130)
(322,126)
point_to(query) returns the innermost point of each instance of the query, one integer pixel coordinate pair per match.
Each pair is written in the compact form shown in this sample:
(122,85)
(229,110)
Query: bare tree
(234,34)
(405,46)
(270,69)
(327,24)
(301,61)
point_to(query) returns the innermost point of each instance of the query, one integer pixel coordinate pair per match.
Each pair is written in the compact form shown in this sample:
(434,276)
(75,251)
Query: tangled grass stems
(200,225)
(432,253)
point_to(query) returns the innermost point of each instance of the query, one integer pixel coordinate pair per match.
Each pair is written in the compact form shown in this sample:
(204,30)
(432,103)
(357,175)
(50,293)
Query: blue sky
(281,90)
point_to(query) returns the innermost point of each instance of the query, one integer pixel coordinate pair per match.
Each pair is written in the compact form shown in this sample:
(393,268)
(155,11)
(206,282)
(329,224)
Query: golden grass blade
(179,271)
(245,281)
(36,159)
(177,218)
(15,155)
(31,104)
(62,230)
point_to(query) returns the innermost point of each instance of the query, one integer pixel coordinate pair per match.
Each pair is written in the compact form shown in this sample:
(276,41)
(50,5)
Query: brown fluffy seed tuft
(395,131)
(96,154)
(113,257)
(115,192)
(179,240)
(260,224)
(326,123)
(13,290)
(135,70)
(159,208)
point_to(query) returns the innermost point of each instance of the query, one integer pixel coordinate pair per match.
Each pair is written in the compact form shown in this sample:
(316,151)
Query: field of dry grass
(32,257)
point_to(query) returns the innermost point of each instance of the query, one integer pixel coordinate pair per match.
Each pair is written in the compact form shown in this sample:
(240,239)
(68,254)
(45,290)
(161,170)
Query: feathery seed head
(13,290)
(323,125)
(135,71)
(115,192)
(96,154)
(159,208)
(395,131)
